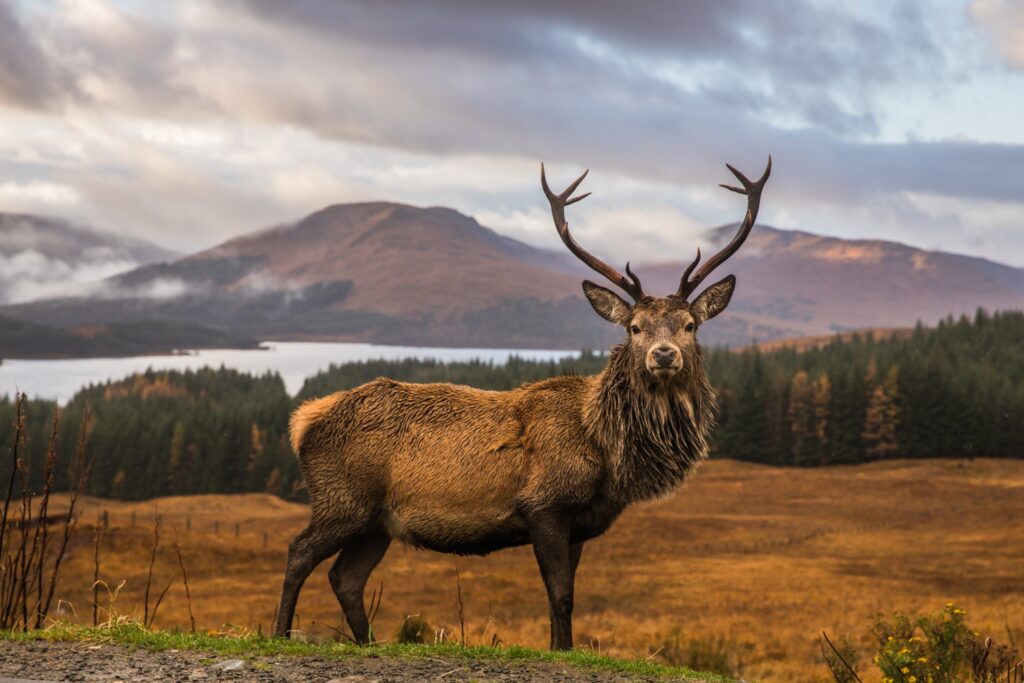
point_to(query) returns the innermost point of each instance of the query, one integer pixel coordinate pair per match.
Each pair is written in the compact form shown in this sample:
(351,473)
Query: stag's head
(661,330)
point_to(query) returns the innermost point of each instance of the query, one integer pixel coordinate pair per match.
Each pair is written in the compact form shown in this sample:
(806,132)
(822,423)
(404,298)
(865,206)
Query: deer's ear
(607,303)
(713,300)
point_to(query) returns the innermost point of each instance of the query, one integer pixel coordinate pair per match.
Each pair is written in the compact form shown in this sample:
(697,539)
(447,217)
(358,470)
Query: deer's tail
(306,415)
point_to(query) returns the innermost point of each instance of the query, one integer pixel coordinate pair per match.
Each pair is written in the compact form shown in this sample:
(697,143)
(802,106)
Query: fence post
(216,526)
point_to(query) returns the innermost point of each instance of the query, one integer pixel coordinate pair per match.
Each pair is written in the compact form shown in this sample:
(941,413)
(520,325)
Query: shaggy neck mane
(653,432)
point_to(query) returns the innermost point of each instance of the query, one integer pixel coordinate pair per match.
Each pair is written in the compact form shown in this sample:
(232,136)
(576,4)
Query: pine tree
(275,483)
(175,458)
(800,417)
(256,450)
(821,400)
(882,419)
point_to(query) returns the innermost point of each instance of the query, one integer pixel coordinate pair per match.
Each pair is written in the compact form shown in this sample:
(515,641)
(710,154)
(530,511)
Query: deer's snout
(664,360)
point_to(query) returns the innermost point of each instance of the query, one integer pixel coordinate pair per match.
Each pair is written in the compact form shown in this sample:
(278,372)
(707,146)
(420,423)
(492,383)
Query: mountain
(813,285)
(45,257)
(381,272)
(391,273)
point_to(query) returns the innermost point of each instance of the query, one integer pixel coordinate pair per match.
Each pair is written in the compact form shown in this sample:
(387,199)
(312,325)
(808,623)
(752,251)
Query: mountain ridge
(393,273)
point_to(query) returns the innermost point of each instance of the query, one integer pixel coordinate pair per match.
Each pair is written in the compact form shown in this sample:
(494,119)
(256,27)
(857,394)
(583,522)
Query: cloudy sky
(192,121)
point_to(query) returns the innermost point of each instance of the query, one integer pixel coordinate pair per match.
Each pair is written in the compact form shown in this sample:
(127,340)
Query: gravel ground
(69,661)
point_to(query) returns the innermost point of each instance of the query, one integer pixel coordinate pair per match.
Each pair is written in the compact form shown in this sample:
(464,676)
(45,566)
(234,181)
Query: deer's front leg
(550,536)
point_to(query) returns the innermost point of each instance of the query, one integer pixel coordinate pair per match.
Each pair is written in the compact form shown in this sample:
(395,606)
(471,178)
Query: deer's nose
(664,356)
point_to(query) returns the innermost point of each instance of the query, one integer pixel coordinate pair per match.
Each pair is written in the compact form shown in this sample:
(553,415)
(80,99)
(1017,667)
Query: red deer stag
(551,464)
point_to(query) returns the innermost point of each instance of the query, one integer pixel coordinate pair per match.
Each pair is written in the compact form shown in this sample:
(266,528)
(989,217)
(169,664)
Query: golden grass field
(763,557)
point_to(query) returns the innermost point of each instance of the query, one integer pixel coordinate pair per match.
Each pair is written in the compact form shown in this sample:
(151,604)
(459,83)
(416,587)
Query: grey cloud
(819,60)
(463,76)
(505,78)
(26,77)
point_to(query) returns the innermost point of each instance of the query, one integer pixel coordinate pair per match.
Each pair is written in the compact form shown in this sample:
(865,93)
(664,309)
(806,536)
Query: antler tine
(752,189)
(558,203)
(686,273)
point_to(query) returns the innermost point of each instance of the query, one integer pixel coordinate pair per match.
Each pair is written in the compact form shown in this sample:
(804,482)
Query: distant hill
(46,257)
(23,339)
(392,273)
(380,272)
(814,285)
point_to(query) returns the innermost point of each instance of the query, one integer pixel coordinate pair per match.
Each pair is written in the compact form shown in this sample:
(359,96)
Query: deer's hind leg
(308,549)
(349,575)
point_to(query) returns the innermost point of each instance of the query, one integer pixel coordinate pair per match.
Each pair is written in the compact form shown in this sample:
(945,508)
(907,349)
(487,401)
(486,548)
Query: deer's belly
(463,531)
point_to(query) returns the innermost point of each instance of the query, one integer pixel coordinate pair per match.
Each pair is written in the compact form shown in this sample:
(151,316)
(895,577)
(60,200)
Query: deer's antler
(753,192)
(630,285)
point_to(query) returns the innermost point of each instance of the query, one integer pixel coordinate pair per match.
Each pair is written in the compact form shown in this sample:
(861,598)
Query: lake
(294,361)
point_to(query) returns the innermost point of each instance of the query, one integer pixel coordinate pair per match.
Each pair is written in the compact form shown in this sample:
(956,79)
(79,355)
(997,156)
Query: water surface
(294,361)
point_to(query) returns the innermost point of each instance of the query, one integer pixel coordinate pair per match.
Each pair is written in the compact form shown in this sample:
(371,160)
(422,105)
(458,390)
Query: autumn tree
(882,418)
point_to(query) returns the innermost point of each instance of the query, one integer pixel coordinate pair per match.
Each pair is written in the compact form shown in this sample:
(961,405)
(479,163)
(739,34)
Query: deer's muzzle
(664,360)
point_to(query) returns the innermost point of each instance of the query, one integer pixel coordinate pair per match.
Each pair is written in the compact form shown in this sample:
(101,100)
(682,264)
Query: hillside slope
(379,272)
(392,273)
(817,285)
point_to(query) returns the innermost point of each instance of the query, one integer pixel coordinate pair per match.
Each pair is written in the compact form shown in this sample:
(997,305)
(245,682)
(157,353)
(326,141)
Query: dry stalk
(81,468)
(152,561)
(160,599)
(188,591)
(27,580)
(375,599)
(19,434)
(842,659)
(41,537)
(461,606)
(96,576)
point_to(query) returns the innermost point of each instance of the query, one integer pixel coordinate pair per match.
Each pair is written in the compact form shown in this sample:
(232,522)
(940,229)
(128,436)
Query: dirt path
(37,661)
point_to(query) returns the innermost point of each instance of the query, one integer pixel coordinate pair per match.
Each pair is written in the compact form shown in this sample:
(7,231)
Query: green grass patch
(252,645)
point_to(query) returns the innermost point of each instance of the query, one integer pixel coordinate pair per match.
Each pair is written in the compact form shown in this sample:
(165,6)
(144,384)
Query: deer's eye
(635,329)
(690,327)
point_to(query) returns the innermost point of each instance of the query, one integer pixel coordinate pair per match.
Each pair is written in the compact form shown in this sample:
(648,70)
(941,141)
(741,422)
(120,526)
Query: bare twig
(19,434)
(461,606)
(81,468)
(158,601)
(188,591)
(41,538)
(96,577)
(841,658)
(375,599)
(152,561)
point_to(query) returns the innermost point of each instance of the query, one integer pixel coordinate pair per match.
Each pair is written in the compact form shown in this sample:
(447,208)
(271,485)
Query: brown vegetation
(756,557)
